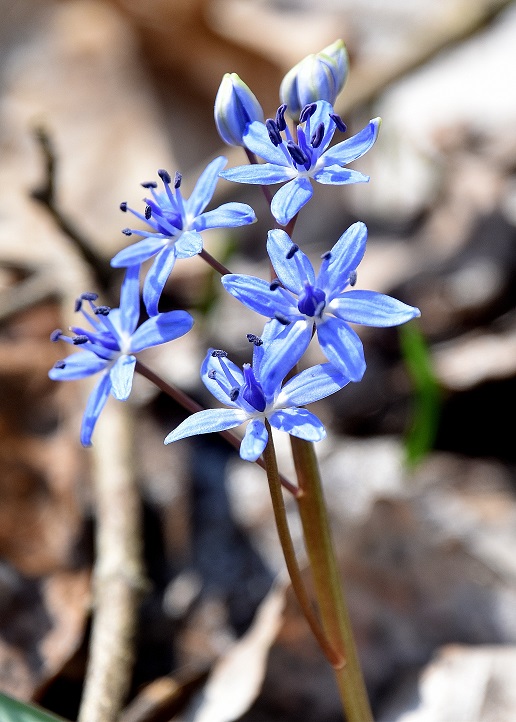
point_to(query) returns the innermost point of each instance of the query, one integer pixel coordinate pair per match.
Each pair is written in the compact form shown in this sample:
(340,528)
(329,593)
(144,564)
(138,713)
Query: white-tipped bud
(235,107)
(320,76)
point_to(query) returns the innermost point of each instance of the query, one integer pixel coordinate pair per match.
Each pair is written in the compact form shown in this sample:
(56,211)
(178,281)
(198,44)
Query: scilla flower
(320,76)
(235,107)
(176,223)
(298,300)
(110,346)
(303,158)
(254,394)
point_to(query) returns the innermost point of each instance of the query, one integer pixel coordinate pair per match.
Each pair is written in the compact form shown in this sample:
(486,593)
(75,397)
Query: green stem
(328,589)
(280,516)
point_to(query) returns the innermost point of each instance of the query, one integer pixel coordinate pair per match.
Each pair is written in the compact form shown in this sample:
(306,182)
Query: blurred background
(419,463)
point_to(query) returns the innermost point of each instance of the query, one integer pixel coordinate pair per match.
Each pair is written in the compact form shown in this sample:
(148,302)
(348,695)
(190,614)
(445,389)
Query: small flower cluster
(296,303)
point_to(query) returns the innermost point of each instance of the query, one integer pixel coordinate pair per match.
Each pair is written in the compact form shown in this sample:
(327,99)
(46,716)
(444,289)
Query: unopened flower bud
(320,76)
(235,107)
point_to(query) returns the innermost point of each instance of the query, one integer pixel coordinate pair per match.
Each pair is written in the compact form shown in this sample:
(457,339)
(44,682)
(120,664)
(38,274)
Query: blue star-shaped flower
(254,394)
(298,300)
(298,160)
(111,346)
(176,224)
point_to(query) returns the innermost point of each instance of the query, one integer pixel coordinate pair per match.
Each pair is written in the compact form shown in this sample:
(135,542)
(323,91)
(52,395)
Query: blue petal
(205,187)
(207,422)
(156,278)
(254,441)
(291,272)
(130,299)
(221,386)
(122,376)
(354,147)
(282,354)
(228,215)
(256,138)
(257,295)
(342,346)
(299,422)
(290,198)
(96,402)
(160,329)
(259,174)
(345,256)
(311,385)
(138,252)
(337,176)
(78,366)
(322,115)
(188,244)
(372,309)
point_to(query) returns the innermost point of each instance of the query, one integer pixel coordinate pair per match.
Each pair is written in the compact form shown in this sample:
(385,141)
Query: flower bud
(235,107)
(320,76)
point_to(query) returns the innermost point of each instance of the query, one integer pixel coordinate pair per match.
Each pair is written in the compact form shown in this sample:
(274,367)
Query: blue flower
(235,107)
(110,347)
(298,160)
(254,393)
(298,300)
(176,224)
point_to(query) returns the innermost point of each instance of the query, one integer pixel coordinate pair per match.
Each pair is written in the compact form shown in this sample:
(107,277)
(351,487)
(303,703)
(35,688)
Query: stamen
(312,301)
(102,310)
(123,206)
(298,156)
(254,339)
(307,112)
(79,340)
(352,278)
(56,335)
(127,232)
(326,256)
(294,248)
(341,125)
(252,390)
(89,296)
(59,364)
(234,393)
(275,284)
(282,319)
(280,117)
(317,136)
(212,374)
(177,180)
(217,353)
(149,184)
(148,212)
(273,131)
(165,176)
(78,305)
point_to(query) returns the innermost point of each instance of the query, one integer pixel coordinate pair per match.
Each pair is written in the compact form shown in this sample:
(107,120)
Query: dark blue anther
(254,339)
(164,175)
(79,340)
(212,374)
(273,132)
(89,296)
(102,311)
(341,125)
(317,136)
(77,305)
(177,180)
(56,335)
(352,278)
(149,184)
(280,117)
(307,112)
(234,393)
(298,156)
(127,232)
(312,301)
(217,353)
(275,284)
(282,319)
(252,391)
(294,248)
(148,212)
(123,206)
(59,364)
(326,256)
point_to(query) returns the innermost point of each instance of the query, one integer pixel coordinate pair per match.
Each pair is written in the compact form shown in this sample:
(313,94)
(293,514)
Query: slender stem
(192,406)
(253,160)
(327,582)
(280,516)
(216,265)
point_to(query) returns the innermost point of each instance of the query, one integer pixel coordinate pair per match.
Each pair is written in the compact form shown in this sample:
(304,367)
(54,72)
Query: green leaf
(12,710)
(427,393)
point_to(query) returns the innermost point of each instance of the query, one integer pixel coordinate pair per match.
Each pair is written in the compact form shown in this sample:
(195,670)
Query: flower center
(252,391)
(312,301)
